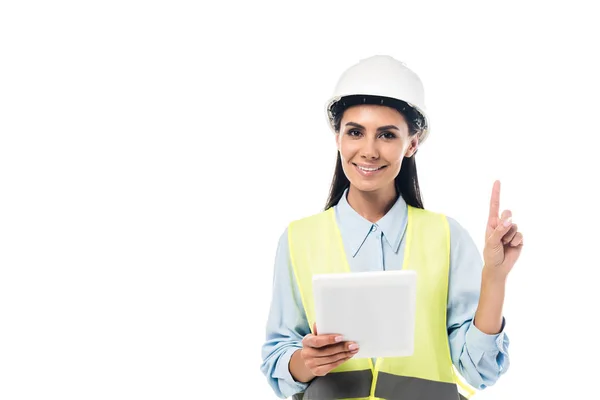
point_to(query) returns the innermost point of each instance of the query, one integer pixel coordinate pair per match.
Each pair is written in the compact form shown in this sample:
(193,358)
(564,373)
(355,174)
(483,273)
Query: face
(373,140)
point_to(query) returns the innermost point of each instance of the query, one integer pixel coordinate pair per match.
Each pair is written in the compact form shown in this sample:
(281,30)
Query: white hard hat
(384,78)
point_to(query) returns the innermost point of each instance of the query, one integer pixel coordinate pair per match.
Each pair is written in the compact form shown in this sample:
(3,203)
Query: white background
(151,153)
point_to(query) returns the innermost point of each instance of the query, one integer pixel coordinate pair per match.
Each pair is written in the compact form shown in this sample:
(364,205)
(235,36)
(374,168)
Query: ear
(412,147)
(337,140)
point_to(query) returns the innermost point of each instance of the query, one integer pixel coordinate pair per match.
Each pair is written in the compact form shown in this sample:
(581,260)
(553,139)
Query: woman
(378,117)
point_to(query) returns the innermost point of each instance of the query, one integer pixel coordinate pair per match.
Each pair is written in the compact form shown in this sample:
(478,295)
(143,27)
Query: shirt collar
(392,225)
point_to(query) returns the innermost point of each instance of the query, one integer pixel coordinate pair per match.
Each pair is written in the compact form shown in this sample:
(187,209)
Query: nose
(368,150)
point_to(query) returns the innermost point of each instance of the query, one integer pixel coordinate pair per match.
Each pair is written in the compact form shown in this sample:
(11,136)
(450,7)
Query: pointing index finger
(495,203)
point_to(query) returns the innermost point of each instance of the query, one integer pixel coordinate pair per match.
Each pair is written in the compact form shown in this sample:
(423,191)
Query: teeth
(368,169)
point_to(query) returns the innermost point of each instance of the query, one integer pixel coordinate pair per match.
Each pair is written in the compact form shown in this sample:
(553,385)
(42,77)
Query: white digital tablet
(374,309)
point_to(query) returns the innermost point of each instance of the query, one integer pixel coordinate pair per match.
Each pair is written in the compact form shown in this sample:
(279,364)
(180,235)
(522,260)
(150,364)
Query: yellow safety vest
(316,247)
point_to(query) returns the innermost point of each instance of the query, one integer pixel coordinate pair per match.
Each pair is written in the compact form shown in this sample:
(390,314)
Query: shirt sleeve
(286,326)
(480,358)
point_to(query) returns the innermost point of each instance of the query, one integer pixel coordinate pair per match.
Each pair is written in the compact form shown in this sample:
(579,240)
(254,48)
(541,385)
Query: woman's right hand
(323,353)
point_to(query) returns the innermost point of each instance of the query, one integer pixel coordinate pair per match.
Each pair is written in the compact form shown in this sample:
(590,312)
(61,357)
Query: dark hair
(407,182)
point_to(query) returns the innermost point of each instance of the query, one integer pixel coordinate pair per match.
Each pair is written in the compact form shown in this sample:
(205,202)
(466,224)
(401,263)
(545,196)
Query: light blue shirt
(481,358)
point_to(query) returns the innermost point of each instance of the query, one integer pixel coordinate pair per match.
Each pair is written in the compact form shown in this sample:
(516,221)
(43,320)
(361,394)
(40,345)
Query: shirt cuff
(484,342)
(282,371)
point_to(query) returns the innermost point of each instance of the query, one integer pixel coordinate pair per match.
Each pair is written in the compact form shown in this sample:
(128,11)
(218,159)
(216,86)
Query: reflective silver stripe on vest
(395,387)
(339,385)
(353,384)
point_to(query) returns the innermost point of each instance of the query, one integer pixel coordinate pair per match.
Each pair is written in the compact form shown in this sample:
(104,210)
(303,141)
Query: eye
(388,135)
(353,132)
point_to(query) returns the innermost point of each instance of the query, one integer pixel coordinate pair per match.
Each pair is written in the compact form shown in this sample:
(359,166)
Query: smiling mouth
(368,169)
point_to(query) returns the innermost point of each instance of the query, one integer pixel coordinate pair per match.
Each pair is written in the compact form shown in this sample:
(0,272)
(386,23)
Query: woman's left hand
(503,240)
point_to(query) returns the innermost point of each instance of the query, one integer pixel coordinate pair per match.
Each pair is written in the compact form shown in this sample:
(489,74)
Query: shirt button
(373,228)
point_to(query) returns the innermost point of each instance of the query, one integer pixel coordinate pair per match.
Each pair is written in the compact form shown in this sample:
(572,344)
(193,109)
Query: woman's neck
(371,205)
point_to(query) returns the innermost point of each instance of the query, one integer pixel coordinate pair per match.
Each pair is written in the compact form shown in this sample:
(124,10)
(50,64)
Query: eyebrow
(381,128)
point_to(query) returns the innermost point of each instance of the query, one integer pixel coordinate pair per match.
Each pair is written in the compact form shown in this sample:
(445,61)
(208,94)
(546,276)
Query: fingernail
(508,222)
(353,347)
(339,338)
